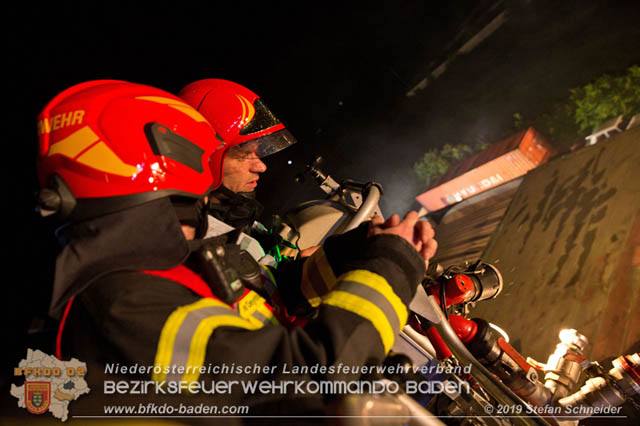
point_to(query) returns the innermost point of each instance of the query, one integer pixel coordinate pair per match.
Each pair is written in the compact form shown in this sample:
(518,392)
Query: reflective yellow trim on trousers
(366,308)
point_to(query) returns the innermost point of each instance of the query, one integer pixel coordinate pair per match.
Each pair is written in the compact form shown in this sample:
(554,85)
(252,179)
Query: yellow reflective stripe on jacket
(370,296)
(252,307)
(200,339)
(185,335)
(317,277)
(265,316)
(378,283)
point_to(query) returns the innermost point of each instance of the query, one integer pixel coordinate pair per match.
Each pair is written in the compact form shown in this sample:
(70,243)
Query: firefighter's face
(242,168)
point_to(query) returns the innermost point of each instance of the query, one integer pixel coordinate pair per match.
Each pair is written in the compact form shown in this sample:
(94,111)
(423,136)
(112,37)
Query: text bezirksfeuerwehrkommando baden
(297,385)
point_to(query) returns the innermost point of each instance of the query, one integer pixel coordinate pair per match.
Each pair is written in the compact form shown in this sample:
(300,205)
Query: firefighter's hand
(418,233)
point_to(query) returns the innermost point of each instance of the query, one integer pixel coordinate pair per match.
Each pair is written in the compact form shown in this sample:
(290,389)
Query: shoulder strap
(186,277)
(63,321)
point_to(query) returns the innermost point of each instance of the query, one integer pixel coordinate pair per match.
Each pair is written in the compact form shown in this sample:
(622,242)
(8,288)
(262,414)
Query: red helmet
(107,145)
(238,115)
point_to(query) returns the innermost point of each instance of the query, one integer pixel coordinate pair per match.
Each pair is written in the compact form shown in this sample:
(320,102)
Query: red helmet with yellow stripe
(238,115)
(107,145)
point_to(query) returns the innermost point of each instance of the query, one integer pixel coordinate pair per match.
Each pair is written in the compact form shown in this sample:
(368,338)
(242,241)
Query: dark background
(336,74)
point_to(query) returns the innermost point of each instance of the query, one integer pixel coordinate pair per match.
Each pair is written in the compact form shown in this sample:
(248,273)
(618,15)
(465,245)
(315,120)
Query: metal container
(498,164)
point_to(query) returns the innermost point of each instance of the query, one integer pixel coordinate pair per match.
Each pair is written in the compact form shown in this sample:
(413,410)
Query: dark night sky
(336,75)
(318,68)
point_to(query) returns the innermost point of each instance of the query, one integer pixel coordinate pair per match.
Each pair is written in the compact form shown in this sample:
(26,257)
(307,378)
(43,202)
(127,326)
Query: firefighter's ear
(55,199)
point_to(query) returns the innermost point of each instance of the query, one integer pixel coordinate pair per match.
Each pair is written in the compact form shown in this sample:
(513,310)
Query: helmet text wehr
(59,121)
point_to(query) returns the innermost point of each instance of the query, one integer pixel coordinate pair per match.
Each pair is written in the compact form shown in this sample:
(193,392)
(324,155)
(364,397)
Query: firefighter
(127,167)
(250,132)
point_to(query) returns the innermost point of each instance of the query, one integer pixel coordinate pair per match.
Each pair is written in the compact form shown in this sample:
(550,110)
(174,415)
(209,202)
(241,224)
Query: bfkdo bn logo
(37,396)
(49,384)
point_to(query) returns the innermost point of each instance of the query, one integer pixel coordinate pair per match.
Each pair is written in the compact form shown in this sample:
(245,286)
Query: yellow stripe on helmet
(85,147)
(75,143)
(177,105)
(248,111)
(101,157)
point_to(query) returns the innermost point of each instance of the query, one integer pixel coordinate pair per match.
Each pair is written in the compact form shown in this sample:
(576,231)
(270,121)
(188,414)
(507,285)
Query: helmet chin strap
(236,209)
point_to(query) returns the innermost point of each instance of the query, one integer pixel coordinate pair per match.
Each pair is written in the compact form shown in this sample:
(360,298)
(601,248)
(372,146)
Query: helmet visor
(263,146)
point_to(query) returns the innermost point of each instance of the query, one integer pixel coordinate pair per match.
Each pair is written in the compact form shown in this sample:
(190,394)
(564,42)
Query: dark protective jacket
(239,210)
(359,289)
